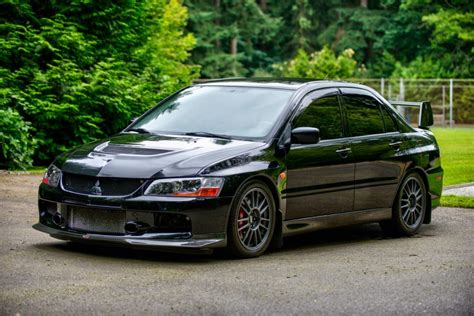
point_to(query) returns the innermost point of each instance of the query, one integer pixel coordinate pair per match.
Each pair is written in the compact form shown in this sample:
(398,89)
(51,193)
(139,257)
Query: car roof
(278,83)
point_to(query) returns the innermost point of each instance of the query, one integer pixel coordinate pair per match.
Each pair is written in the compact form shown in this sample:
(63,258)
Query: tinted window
(322,113)
(388,120)
(235,111)
(363,114)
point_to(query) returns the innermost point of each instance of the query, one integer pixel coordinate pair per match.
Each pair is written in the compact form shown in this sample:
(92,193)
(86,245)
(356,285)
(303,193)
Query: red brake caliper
(241,223)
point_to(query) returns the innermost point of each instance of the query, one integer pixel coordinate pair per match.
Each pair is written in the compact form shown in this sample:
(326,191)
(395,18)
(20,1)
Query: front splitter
(165,241)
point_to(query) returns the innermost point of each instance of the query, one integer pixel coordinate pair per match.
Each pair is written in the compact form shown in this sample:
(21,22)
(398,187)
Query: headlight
(52,176)
(204,187)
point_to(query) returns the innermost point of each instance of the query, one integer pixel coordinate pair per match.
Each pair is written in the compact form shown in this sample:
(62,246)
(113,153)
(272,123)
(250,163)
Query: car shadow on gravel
(314,241)
(117,252)
(332,237)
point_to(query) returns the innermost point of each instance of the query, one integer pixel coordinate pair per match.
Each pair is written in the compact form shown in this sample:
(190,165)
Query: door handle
(396,145)
(344,152)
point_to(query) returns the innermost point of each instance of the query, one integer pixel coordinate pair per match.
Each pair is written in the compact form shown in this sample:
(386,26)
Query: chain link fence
(452,100)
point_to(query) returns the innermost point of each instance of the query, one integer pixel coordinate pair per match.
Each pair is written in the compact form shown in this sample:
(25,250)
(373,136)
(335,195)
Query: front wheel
(252,220)
(409,207)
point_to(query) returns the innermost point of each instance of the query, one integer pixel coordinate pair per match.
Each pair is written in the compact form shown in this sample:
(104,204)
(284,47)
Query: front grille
(120,149)
(96,220)
(99,185)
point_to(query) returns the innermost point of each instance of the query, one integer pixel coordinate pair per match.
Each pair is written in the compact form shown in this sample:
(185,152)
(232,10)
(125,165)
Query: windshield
(229,111)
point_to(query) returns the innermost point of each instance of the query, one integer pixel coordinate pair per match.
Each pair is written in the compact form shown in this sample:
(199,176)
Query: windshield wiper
(139,130)
(206,134)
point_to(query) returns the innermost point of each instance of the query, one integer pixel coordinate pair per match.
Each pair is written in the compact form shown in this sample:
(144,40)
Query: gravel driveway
(343,271)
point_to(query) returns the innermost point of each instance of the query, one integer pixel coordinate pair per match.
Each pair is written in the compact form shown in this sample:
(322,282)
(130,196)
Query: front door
(320,176)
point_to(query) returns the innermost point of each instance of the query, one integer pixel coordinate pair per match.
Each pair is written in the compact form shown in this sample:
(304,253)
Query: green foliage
(451,25)
(75,70)
(320,64)
(15,142)
(464,105)
(449,52)
(80,70)
(421,38)
(233,36)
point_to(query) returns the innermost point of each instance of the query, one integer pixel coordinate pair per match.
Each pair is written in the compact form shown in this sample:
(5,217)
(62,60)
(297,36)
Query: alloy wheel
(412,202)
(254,219)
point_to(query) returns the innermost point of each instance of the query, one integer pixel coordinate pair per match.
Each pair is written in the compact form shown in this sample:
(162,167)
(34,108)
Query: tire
(251,221)
(409,207)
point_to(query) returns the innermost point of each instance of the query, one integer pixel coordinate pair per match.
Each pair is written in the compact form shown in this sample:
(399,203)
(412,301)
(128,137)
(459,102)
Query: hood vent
(131,150)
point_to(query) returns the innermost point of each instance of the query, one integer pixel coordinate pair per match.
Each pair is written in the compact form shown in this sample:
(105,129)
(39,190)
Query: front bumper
(208,218)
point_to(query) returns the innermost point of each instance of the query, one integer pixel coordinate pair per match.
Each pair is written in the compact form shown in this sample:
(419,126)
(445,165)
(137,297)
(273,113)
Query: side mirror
(426,116)
(305,135)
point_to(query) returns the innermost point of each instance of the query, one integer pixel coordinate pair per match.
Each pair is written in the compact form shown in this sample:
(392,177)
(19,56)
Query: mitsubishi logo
(96,190)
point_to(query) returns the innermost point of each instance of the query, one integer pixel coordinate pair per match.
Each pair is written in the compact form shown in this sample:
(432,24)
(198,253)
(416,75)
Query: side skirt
(308,224)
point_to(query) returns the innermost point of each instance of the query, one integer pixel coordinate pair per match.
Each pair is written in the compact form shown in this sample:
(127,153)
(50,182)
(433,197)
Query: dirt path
(344,271)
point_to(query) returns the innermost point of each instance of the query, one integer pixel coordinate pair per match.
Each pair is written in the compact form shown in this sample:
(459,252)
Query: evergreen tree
(232,36)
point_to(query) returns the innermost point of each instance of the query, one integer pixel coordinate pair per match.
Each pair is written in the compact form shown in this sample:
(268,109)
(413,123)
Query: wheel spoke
(417,191)
(259,234)
(246,236)
(243,227)
(263,210)
(413,186)
(246,206)
(405,215)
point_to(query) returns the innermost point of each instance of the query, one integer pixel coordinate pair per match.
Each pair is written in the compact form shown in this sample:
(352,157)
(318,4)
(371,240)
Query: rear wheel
(252,220)
(409,207)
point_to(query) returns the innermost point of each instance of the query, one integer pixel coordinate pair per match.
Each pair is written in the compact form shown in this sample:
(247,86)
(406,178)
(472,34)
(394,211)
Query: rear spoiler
(425,116)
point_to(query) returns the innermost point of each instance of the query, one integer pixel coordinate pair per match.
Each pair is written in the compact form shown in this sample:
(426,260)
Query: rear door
(320,176)
(376,144)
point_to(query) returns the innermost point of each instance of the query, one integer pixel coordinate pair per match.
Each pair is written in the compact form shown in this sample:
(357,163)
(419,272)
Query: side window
(363,115)
(390,125)
(323,113)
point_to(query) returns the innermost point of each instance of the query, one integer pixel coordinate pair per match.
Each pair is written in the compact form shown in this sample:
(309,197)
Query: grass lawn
(37,169)
(457,201)
(457,154)
(457,159)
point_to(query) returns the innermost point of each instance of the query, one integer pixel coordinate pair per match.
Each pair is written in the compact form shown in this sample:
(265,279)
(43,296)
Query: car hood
(146,156)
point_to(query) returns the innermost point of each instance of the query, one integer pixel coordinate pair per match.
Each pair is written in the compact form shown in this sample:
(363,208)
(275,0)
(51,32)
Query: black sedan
(243,163)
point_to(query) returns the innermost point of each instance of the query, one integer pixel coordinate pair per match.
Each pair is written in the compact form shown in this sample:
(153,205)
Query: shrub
(80,70)
(17,147)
